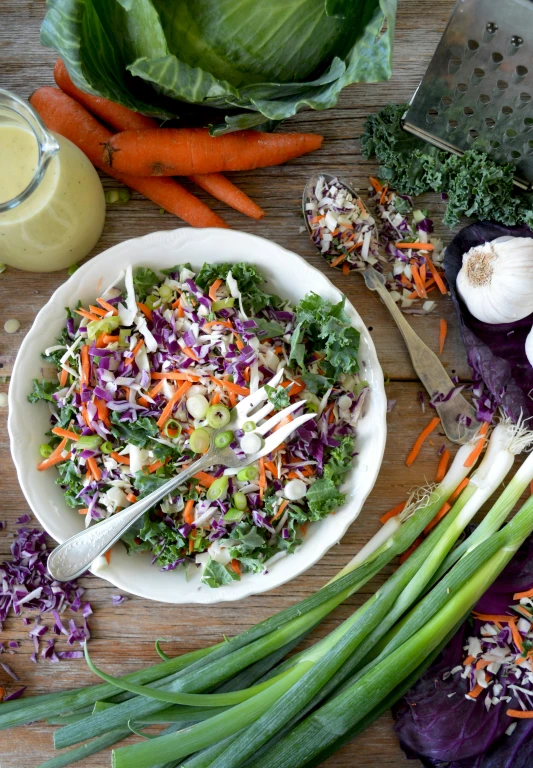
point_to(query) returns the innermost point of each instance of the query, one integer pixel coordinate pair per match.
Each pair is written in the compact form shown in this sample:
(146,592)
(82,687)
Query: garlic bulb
(496,280)
(529,347)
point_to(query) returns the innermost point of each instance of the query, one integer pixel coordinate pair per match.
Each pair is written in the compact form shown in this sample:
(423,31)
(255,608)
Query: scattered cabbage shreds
(135,378)
(26,586)
(351,237)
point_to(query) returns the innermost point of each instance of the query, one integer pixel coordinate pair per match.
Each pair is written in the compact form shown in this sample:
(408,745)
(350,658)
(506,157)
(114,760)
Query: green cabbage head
(231,64)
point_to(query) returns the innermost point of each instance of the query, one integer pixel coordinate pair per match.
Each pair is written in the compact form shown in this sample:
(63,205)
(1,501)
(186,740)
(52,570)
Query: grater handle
(429,368)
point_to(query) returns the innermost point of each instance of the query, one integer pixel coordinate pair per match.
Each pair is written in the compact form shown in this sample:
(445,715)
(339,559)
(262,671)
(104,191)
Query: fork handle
(74,556)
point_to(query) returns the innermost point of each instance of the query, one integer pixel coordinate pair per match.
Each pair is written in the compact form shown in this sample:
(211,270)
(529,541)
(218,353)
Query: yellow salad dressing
(61,220)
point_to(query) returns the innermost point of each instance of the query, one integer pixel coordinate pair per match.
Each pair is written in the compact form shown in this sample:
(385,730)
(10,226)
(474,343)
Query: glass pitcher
(52,204)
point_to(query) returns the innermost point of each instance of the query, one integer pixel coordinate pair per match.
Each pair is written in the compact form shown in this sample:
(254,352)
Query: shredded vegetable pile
(148,372)
(351,237)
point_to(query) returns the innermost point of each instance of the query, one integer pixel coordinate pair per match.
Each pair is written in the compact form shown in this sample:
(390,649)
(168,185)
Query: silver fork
(74,556)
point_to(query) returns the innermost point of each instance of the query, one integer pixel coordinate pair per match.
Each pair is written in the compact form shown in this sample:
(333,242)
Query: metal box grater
(477,92)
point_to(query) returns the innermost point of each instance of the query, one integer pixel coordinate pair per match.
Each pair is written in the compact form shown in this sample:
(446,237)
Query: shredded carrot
(474,693)
(215,400)
(83,511)
(169,407)
(294,475)
(438,517)
(155,466)
(473,456)
(235,566)
(460,488)
(232,399)
(438,279)
(272,468)
(106,339)
(119,458)
(97,311)
(95,469)
(175,376)
(520,595)
(231,387)
(239,342)
(520,714)
(303,529)
(443,466)
(205,479)
(217,322)
(405,281)
(188,514)
(63,378)
(60,432)
(420,439)
(316,219)
(416,246)
(190,353)
(393,512)
(131,497)
(106,305)
(103,411)
(422,270)
(493,617)
(157,389)
(383,195)
(88,315)
(345,268)
(517,637)
(214,288)
(107,555)
(281,510)
(85,369)
(262,478)
(443,330)
(338,260)
(377,185)
(361,206)
(55,457)
(468,660)
(419,283)
(134,352)
(145,310)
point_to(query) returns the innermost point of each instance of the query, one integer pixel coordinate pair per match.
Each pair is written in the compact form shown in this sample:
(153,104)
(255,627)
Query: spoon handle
(428,367)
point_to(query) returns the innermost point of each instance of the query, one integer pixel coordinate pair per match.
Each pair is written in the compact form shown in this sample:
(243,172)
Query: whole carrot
(123,119)
(65,116)
(118,117)
(186,151)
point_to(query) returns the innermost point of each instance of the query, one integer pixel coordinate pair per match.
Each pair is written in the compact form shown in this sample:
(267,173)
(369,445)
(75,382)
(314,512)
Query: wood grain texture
(123,636)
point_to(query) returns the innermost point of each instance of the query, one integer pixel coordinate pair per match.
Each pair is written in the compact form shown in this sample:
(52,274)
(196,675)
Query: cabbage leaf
(253,63)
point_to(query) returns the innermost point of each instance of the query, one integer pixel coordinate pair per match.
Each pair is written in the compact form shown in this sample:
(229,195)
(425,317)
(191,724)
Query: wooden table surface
(122,637)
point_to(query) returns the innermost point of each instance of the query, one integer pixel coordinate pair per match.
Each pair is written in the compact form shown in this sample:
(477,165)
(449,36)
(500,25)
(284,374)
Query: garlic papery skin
(496,280)
(529,347)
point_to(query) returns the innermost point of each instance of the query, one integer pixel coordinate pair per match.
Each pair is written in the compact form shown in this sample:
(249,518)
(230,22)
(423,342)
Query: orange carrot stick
(493,617)
(377,185)
(155,466)
(436,275)
(186,151)
(120,459)
(97,310)
(416,246)
(338,260)
(225,190)
(281,510)
(460,488)
(88,315)
(472,457)
(55,457)
(95,469)
(420,439)
(85,365)
(144,309)
(205,479)
(167,410)
(443,330)
(262,478)
(213,290)
(134,352)
(419,283)
(188,515)
(63,377)
(65,116)
(443,466)
(107,306)
(474,693)
(520,595)
(393,512)
(438,517)
(60,432)
(520,714)
(231,387)
(235,566)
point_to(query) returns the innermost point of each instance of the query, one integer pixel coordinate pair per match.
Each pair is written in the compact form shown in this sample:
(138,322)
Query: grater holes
(478,74)
(519,73)
(491,27)
(501,87)
(514,155)
(509,135)
(494,144)
(461,89)
(516,41)
(523,100)
(431,115)
(495,60)
(468,111)
(454,64)
(472,48)
(528,147)
(484,99)
(490,122)
(506,112)
(473,134)
(446,101)
(527,124)
(452,124)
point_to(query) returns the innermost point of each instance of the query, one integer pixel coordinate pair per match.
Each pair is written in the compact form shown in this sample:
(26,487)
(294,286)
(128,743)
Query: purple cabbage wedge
(444,731)
(495,352)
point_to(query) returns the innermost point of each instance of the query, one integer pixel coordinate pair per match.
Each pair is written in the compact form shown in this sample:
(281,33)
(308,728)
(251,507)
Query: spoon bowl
(457,415)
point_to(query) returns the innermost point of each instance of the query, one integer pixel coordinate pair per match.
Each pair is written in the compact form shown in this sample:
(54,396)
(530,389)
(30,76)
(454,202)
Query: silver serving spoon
(452,412)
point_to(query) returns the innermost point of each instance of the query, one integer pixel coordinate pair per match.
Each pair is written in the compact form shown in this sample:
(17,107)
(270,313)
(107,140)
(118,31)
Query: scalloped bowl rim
(289,275)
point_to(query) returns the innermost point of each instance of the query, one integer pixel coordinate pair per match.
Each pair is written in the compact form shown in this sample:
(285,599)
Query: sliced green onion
(216,306)
(198,406)
(233,515)
(223,439)
(172,428)
(240,501)
(89,442)
(107,447)
(200,440)
(248,474)
(218,488)
(105,325)
(249,426)
(45,450)
(165,292)
(71,269)
(218,416)
(151,301)
(124,336)
(117,195)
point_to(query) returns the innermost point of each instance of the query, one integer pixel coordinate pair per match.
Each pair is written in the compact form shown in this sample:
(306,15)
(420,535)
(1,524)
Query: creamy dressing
(62,219)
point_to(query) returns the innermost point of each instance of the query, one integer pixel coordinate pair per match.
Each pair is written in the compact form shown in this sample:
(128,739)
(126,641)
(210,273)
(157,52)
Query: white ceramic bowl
(288,275)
